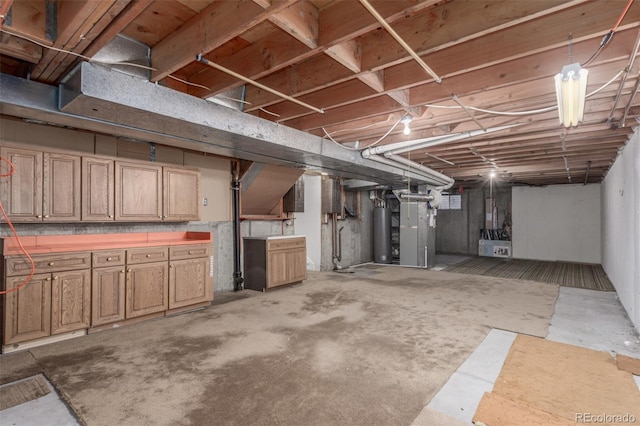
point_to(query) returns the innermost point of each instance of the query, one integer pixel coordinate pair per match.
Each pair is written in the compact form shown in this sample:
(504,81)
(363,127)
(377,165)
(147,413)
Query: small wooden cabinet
(181,194)
(107,287)
(138,192)
(147,281)
(70,301)
(44,187)
(274,261)
(190,275)
(98,191)
(56,300)
(27,312)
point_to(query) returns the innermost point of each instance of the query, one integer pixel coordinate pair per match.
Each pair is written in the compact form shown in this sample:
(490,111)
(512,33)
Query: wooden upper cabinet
(43,186)
(98,192)
(21,193)
(181,197)
(61,188)
(138,192)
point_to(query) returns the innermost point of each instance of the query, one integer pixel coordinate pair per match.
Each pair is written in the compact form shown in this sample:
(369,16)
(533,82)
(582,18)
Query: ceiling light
(571,90)
(406,121)
(493,173)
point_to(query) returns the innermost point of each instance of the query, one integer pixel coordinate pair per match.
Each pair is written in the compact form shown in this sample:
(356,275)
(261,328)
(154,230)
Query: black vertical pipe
(237,273)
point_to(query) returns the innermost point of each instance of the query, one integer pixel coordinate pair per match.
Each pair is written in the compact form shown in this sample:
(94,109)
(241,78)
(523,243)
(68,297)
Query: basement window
(451,202)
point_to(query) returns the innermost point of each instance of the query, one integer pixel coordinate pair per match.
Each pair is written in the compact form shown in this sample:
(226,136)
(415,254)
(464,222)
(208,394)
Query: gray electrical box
(293,200)
(331,195)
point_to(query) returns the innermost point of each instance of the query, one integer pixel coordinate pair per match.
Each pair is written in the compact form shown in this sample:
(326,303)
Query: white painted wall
(557,222)
(309,222)
(621,227)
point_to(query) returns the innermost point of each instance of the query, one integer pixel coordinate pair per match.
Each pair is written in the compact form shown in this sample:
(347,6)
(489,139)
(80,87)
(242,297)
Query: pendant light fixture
(571,90)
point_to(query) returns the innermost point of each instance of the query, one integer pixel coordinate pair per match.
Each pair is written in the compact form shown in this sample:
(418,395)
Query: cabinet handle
(39,216)
(109,259)
(55,278)
(48,279)
(129,270)
(148,255)
(51,263)
(110,216)
(122,272)
(190,252)
(171,266)
(46,215)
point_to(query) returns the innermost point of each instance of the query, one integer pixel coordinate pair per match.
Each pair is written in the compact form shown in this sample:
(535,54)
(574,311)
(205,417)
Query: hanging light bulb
(406,121)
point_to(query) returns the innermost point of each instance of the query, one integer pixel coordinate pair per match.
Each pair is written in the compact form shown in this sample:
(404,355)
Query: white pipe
(410,172)
(400,147)
(443,179)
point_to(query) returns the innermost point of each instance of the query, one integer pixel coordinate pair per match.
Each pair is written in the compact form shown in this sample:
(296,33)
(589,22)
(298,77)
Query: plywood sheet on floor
(357,349)
(22,391)
(495,410)
(626,363)
(566,380)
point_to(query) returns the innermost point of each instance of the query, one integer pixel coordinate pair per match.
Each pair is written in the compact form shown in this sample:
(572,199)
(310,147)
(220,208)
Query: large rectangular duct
(133,105)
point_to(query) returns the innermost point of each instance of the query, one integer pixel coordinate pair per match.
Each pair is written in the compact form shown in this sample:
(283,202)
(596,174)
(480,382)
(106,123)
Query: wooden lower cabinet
(107,289)
(70,301)
(188,282)
(274,261)
(146,289)
(27,312)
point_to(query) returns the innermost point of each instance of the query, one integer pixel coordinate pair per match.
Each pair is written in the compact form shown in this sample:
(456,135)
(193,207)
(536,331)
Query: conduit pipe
(234,74)
(417,169)
(628,69)
(401,147)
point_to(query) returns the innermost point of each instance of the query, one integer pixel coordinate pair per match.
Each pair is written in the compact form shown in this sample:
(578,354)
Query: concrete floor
(582,317)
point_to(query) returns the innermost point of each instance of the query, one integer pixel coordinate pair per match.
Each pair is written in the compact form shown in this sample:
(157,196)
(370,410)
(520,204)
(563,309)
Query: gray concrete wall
(357,237)
(458,231)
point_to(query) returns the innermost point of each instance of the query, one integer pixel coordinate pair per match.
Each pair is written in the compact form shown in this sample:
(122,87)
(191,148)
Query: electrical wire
(17,237)
(364,147)
(519,113)
(608,36)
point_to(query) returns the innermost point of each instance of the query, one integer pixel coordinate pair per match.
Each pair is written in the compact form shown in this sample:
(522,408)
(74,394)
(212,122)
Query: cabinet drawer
(108,258)
(285,244)
(147,254)
(188,252)
(20,265)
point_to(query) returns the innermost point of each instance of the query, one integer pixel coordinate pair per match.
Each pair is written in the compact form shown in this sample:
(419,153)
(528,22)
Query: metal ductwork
(98,99)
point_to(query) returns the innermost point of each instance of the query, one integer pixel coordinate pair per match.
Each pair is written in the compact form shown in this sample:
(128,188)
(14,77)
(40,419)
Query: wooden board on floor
(626,363)
(23,391)
(566,380)
(495,410)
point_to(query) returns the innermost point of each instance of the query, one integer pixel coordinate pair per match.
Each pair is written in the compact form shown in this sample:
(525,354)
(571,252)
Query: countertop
(43,244)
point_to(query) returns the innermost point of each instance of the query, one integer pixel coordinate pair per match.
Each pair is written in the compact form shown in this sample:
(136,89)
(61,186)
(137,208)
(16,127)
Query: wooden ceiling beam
(209,29)
(20,48)
(300,20)
(507,50)
(29,20)
(277,51)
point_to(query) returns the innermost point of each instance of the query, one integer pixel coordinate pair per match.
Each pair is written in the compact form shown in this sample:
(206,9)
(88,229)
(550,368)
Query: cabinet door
(297,265)
(98,191)
(277,268)
(60,188)
(189,282)
(107,295)
(70,301)
(147,289)
(21,193)
(27,312)
(138,192)
(181,194)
